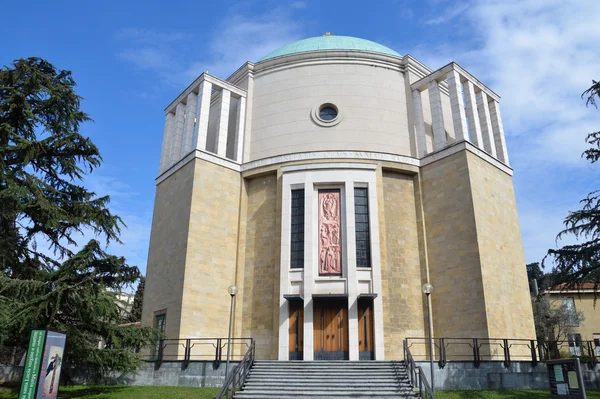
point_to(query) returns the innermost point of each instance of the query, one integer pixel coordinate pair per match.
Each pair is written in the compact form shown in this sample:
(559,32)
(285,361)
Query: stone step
(320,395)
(297,368)
(324,381)
(349,373)
(330,379)
(296,388)
(340,377)
(330,364)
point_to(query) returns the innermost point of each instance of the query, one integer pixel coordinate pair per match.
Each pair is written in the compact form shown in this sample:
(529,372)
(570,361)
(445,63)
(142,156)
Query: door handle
(327,336)
(332,336)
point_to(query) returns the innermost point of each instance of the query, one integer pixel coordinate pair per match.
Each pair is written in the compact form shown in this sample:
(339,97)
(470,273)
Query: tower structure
(328,181)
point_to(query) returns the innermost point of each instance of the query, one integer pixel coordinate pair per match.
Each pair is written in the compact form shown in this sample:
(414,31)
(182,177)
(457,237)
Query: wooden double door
(330,326)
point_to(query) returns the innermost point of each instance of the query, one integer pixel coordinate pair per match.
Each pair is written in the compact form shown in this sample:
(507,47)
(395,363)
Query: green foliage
(579,263)
(136,309)
(43,160)
(554,322)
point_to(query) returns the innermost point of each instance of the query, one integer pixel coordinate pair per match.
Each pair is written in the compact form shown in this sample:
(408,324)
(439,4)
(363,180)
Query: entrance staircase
(323,380)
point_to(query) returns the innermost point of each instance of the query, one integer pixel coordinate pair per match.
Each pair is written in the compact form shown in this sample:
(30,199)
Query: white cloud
(453,11)
(539,56)
(240,37)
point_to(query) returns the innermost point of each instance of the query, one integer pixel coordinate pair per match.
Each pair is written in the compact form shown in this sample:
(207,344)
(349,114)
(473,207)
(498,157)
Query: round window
(328,113)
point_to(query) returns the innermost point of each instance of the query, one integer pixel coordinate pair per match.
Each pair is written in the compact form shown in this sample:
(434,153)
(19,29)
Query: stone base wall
(494,375)
(197,374)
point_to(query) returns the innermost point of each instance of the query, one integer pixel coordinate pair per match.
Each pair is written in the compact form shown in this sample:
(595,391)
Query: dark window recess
(328,113)
(297,239)
(361,221)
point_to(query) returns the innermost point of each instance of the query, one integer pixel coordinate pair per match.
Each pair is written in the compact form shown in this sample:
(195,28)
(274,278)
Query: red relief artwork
(330,258)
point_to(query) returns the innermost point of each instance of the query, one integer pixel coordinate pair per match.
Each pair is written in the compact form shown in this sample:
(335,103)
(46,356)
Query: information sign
(566,381)
(52,360)
(41,374)
(32,364)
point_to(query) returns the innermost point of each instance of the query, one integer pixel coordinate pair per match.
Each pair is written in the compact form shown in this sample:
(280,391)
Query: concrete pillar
(498,129)
(239,131)
(473,114)
(284,270)
(419,124)
(223,124)
(190,123)
(178,133)
(310,261)
(457,104)
(437,116)
(351,275)
(165,154)
(204,94)
(486,123)
(376,269)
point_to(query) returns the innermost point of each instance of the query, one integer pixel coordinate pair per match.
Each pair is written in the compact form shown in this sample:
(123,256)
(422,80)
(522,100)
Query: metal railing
(195,349)
(237,376)
(416,375)
(503,350)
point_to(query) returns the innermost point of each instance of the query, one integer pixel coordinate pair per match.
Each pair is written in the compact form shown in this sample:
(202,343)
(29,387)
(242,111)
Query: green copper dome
(324,43)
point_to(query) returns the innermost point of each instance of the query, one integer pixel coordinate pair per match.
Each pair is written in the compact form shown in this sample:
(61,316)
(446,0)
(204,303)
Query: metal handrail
(192,349)
(506,350)
(417,376)
(237,376)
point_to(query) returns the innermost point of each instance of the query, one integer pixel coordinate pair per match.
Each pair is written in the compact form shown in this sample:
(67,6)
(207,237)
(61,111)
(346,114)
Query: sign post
(32,364)
(41,375)
(566,380)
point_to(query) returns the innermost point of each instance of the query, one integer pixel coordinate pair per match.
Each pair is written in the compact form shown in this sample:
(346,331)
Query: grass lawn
(502,394)
(122,392)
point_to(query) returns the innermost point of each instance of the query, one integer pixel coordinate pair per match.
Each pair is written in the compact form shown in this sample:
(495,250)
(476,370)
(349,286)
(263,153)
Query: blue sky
(130,59)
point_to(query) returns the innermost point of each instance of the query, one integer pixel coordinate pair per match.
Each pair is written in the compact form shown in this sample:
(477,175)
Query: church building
(329,181)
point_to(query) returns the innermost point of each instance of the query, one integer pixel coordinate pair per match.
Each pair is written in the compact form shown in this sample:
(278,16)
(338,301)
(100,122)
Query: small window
(569,304)
(160,321)
(160,324)
(328,113)
(297,227)
(575,344)
(361,222)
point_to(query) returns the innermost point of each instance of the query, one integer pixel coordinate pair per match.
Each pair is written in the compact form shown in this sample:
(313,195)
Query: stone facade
(433,206)
(402,275)
(259,279)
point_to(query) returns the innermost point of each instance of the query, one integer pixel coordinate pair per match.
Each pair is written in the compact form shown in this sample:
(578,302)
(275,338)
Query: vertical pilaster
(239,131)
(457,104)
(486,123)
(223,123)
(165,154)
(178,133)
(352,277)
(190,121)
(204,93)
(473,114)
(437,116)
(376,269)
(284,269)
(419,124)
(310,264)
(498,129)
